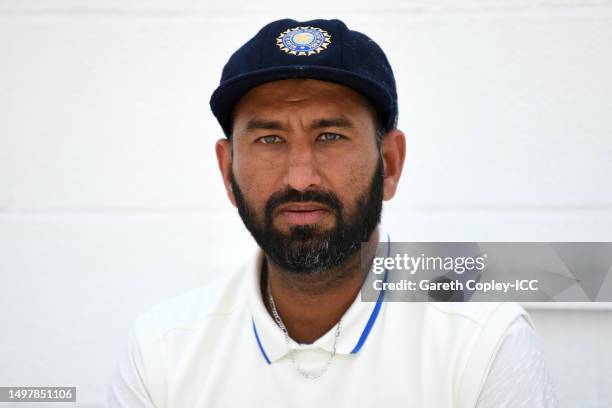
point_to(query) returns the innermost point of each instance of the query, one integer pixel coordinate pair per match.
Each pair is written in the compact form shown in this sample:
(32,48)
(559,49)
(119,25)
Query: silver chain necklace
(280,324)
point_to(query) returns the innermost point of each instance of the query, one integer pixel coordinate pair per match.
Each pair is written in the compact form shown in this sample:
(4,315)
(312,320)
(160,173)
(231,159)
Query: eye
(329,137)
(270,139)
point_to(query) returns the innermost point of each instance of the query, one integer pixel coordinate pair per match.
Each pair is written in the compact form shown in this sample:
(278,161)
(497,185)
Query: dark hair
(379,135)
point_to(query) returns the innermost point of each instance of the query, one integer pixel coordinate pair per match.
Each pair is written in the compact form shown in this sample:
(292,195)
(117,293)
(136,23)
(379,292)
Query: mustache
(294,196)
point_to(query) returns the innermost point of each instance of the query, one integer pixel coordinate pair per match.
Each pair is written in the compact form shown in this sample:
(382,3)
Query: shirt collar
(357,321)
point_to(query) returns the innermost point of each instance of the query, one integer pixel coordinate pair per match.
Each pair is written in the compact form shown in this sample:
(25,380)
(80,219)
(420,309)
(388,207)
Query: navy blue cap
(319,49)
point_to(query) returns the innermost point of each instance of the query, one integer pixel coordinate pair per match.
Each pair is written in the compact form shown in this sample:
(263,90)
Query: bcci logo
(303,40)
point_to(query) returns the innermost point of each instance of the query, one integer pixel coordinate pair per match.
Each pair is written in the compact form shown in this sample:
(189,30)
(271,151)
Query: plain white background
(110,198)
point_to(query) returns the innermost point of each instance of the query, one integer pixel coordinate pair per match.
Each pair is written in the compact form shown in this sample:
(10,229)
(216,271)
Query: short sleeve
(519,376)
(131,383)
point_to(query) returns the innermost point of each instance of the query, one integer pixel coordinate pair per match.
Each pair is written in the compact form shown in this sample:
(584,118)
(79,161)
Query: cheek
(353,180)
(255,183)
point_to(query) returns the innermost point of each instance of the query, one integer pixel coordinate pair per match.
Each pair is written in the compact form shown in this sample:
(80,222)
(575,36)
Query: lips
(302,213)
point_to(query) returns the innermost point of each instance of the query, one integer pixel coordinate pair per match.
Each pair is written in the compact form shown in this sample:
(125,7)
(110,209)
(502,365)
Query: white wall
(110,199)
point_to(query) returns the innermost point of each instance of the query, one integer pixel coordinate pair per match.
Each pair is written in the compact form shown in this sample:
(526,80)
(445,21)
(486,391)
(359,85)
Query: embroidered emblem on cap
(303,40)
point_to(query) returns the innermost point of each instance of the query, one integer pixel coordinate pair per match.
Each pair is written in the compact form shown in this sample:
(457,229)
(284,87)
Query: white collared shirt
(217,346)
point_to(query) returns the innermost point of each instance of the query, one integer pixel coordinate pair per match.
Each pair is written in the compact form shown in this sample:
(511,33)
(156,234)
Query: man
(309,111)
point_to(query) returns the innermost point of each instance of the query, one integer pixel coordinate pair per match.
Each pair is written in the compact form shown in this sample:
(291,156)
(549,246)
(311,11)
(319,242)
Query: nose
(302,167)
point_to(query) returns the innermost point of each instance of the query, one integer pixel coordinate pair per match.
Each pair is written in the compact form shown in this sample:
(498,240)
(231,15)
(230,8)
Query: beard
(308,249)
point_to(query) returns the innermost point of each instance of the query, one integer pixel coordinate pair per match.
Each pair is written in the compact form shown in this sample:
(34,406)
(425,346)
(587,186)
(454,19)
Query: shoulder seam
(466,316)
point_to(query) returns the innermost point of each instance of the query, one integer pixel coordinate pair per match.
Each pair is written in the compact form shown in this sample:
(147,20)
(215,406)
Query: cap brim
(226,96)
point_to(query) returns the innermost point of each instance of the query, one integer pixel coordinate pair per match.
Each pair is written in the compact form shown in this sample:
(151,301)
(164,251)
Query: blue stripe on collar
(377,306)
(263,352)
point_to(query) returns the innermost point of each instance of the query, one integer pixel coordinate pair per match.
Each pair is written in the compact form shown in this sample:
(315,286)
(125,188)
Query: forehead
(303,95)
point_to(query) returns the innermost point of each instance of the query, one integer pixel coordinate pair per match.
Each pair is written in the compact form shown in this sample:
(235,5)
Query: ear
(393,152)
(223,150)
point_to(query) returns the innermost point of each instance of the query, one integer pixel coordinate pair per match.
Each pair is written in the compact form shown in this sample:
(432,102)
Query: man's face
(306,174)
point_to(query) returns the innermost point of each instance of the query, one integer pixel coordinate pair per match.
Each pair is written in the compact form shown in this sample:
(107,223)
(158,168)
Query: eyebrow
(339,121)
(255,124)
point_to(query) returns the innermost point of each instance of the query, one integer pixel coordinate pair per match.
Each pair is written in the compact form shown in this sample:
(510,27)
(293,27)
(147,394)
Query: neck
(311,304)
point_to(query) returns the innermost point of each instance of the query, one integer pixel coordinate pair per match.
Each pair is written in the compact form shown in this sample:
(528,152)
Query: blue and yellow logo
(303,40)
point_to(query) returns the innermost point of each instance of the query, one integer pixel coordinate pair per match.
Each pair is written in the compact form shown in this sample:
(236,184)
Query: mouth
(302,213)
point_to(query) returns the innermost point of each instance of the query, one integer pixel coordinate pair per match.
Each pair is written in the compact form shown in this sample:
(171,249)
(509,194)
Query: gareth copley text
(456,285)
